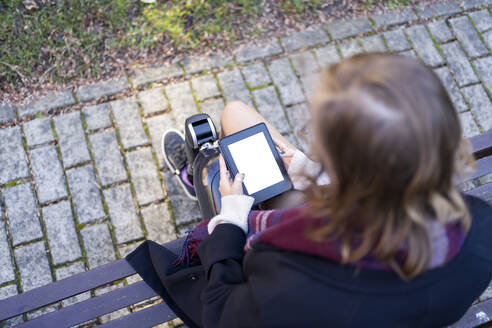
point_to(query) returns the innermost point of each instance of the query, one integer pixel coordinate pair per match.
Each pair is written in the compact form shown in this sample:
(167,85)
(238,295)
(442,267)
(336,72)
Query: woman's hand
(285,152)
(227,186)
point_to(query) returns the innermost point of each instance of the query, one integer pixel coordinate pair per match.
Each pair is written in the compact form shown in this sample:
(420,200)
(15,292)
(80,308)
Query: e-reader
(253,152)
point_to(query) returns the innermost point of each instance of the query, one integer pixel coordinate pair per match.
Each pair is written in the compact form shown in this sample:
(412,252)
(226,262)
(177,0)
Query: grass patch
(59,41)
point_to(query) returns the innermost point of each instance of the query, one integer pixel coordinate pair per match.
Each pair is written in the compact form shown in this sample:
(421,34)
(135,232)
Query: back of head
(388,136)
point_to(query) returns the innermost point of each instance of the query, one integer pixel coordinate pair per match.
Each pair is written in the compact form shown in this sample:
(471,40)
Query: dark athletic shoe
(173,148)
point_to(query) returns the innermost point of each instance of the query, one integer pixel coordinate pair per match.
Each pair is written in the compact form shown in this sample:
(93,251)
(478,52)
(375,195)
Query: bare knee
(232,111)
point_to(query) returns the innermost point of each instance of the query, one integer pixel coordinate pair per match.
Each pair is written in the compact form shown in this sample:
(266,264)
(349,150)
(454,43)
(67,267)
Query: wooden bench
(155,314)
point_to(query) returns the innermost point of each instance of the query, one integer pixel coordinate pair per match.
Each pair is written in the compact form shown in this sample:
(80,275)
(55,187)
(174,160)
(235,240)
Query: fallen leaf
(30,4)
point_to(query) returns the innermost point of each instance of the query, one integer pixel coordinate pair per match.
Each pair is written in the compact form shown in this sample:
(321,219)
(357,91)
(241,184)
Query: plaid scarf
(286,229)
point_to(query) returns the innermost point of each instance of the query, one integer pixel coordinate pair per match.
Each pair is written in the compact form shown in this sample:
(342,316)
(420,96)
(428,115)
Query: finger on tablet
(238,182)
(223,169)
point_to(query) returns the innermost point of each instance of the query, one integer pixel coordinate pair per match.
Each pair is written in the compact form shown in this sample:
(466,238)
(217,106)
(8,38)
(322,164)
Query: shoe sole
(169,165)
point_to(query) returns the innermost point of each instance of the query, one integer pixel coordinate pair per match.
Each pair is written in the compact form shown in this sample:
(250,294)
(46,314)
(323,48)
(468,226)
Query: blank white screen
(254,158)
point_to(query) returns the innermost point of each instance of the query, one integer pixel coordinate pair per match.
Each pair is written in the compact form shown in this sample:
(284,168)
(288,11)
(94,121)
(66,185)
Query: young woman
(383,237)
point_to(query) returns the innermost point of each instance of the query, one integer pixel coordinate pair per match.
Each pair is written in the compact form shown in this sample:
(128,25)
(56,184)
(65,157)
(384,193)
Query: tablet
(252,152)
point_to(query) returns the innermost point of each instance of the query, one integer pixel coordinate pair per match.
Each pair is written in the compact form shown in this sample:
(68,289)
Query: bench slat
(476,315)
(482,145)
(148,317)
(484,166)
(93,307)
(62,289)
(484,192)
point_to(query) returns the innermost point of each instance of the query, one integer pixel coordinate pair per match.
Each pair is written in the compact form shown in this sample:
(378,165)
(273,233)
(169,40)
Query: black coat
(269,287)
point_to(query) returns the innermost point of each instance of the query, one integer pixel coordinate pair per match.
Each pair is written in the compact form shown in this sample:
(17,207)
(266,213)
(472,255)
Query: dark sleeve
(227,299)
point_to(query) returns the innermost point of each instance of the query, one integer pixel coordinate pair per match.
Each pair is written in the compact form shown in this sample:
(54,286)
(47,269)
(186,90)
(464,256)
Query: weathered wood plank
(62,289)
(476,315)
(484,166)
(484,192)
(148,317)
(93,307)
(482,145)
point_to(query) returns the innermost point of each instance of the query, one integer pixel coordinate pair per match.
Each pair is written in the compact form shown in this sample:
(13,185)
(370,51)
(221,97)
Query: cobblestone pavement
(82,180)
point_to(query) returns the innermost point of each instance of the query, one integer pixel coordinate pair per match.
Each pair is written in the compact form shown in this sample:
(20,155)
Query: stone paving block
(23,214)
(195,64)
(409,54)
(108,159)
(127,116)
(116,314)
(286,81)
(60,228)
(395,17)
(233,86)
(471,4)
(68,271)
(486,294)
(438,9)
(6,292)
(52,100)
(488,38)
(304,39)
(482,20)
(48,174)
(181,101)
(350,48)
(483,66)
(452,89)
(468,36)
(33,265)
(86,194)
(98,245)
(424,46)
(300,115)
(480,105)
(269,106)
(347,28)
(157,220)
(157,126)
(154,74)
(185,229)
(123,213)
(440,31)
(152,101)
(252,51)
(6,264)
(7,113)
(38,131)
(97,116)
(13,164)
(304,63)
(205,86)
(214,108)
(459,64)
(256,74)
(184,209)
(102,89)
(42,311)
(470,128)
(373,43)
(396,40)
(327,56)
(71,139)
(144,176)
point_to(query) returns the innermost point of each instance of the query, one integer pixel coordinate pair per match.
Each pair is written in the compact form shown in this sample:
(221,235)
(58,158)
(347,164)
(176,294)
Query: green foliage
(66,39)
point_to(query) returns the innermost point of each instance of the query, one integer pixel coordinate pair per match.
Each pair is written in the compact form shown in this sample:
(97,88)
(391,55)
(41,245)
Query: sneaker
(173,148)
